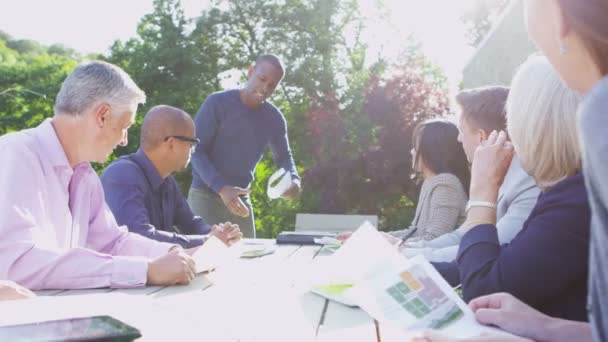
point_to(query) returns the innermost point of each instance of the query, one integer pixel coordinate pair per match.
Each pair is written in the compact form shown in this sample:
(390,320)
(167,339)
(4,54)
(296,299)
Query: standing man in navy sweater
(234,126)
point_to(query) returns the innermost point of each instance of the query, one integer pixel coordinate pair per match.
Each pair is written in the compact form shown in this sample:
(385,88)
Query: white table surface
(259,299)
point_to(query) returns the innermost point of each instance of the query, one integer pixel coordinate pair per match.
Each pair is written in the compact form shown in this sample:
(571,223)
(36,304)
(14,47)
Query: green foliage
(28,86)
(325,95)
(26,46)
(5,36)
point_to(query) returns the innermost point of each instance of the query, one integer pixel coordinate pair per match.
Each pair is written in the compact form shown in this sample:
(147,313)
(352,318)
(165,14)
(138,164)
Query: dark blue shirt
(233,138)
(150,205)
(545,265)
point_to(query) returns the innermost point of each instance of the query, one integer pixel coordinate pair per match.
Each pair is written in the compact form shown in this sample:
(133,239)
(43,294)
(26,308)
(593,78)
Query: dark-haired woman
(573,34)
(439,158)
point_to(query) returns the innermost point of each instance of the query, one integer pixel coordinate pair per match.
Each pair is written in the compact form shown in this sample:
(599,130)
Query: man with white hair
(57,231)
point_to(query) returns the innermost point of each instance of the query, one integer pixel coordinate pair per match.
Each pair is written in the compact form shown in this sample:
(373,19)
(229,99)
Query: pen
(407,236)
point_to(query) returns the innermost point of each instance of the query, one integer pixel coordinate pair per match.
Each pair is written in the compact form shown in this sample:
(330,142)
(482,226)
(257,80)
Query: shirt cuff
(160,249)
(129,272)
(484,233)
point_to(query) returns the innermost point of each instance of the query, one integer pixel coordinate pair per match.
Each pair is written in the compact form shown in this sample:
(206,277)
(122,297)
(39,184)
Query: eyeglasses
(193,141)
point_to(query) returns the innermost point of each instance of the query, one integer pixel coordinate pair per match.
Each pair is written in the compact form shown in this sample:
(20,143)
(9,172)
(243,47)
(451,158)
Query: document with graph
(414,297)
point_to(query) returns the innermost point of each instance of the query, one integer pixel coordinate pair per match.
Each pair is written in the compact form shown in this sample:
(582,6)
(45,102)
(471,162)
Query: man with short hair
(57,231)
(482,110)
(144,196)
(234,127)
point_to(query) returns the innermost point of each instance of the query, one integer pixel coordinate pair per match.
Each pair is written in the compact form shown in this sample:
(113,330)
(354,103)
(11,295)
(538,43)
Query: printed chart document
(407,295)
(414,297)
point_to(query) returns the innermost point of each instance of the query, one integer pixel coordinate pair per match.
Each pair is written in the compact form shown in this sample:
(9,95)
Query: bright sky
(92,25)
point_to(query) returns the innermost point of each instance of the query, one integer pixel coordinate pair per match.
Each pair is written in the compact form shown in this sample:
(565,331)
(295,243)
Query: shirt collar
(50,142)
(155,179)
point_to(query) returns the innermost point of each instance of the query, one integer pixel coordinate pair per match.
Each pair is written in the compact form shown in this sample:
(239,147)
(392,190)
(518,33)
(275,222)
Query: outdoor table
(255,299)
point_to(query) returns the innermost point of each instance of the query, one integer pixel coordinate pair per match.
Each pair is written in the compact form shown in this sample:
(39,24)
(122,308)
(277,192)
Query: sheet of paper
(363,252)
(253,251)
(335,292)
(413,296)
(283,181)
(212,254)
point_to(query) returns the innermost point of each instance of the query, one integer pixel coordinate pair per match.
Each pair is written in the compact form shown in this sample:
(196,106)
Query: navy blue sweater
(233,138)
(545,265)
(150,205)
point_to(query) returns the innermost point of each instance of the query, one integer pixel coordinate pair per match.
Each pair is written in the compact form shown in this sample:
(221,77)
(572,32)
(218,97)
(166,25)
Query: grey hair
(541,119)
(94,82)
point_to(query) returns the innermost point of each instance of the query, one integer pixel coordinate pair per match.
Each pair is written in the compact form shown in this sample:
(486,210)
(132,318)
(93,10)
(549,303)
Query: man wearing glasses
(144,196)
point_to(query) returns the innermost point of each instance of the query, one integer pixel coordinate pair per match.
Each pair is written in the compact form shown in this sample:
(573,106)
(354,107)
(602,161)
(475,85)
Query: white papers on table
(283,181)
(408,295)
(212,254)
(365,250)
(255,250)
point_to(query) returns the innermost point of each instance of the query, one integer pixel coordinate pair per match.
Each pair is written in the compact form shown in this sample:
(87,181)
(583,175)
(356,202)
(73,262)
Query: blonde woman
(545,265)
(574,36)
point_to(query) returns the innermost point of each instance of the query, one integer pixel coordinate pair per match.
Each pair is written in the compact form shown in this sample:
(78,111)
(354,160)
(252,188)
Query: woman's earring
(563,49)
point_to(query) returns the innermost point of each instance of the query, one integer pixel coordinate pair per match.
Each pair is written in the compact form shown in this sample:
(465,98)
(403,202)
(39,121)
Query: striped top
(440,209)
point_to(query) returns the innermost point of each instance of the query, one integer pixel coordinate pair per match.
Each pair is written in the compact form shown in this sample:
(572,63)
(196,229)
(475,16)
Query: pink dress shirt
(56,231)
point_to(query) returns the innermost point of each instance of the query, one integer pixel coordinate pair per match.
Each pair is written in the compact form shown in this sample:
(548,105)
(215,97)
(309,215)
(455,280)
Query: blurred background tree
(30,77)
(480,18)
(350,119)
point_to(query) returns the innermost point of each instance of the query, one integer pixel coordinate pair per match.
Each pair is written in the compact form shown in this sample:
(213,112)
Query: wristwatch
(487,204)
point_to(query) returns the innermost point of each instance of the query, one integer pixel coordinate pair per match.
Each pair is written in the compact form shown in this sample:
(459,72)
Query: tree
(349,122)
(480,18)
(173,66)
(29,84)
(324,69)
(378,178)
(26,46)
(62,50)
(329,95)
(5,36)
